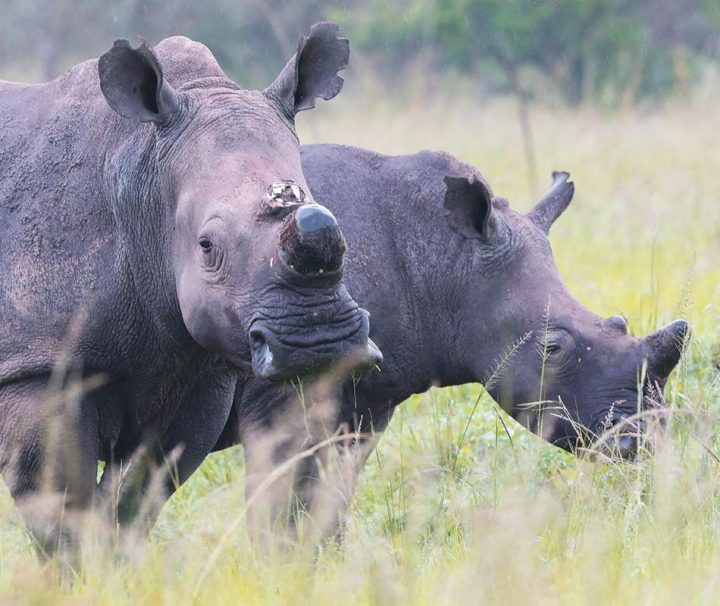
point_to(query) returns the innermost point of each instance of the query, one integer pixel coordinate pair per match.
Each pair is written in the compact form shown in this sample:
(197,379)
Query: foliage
(252,39)
(602,50)
(606,51)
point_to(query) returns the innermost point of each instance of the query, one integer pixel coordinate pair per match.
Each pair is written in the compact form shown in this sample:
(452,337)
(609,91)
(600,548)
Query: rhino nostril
(374,356)
(623,446)
(627,446)
(257,339)
(311,218)
(262,356)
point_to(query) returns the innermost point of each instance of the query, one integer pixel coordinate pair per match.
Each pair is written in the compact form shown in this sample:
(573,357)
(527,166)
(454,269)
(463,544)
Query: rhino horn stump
(665,346)
(311,241)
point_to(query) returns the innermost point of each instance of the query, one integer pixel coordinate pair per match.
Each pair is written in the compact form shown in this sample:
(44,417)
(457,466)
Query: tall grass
(459,504)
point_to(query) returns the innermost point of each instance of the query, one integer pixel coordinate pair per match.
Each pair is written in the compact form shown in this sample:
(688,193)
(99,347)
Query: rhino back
(56,224)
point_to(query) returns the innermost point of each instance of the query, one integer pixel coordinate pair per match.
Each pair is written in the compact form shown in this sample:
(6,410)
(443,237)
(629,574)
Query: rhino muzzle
(309,337)
(346,345)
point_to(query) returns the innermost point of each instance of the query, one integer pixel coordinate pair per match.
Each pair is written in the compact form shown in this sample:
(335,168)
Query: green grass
(444,515)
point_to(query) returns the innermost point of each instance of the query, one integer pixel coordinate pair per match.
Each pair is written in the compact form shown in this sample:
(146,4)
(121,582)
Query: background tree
(600,51)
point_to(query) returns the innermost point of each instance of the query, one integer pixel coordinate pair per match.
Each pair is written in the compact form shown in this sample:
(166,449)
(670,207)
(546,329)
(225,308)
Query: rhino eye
(552,348)
(206,245)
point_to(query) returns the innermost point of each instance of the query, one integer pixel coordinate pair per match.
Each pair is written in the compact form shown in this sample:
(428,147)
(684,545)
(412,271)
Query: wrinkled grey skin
(460,289)
(139,275)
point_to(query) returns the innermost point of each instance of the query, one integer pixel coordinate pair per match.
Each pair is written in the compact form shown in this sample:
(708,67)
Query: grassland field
(449,515)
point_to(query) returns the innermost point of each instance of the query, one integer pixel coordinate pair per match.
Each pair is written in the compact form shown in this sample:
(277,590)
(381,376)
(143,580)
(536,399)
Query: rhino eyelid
(551,348)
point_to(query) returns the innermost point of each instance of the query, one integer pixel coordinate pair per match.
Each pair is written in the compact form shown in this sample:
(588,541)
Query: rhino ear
(312,71)
(554,202)
(469,203)
(132,82)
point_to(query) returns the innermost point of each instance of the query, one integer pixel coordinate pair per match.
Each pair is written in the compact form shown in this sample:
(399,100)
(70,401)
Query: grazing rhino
(460,289)
(158,237)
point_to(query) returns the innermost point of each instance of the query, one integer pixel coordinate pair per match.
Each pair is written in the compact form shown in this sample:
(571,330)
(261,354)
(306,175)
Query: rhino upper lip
(302,334)
(326,314)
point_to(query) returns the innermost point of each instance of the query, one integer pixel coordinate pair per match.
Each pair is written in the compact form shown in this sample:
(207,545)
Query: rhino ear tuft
(131,80)
(312,71)
(554,202)
(470,209)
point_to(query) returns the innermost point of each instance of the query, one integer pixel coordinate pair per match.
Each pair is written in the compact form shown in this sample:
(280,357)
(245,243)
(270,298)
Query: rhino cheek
(193,313)
(214,326)
(203,318)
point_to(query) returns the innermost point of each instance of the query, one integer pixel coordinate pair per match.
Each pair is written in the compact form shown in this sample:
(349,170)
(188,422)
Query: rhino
(461,289)
(159,239)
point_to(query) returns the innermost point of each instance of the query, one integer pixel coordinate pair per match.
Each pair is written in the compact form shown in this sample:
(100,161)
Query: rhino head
(565,373)
(251,263)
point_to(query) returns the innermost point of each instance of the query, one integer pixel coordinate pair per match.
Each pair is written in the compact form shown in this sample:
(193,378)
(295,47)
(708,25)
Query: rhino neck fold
(143,244)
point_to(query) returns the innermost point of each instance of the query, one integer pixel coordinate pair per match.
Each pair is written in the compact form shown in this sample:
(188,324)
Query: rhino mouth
(616,432)
(299,346)
(630,431)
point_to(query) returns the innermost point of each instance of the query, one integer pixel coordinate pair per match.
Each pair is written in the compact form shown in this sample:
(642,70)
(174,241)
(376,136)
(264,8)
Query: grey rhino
(460,289)
(159,237)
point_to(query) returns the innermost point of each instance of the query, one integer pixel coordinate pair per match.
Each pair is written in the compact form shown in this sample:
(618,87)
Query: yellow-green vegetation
(455,507)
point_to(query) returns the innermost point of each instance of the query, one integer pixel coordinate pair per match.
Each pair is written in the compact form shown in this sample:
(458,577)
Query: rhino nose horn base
(311,241)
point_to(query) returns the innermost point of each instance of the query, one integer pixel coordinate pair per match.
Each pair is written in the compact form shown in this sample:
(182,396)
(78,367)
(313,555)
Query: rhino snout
(346,347)
(311,242)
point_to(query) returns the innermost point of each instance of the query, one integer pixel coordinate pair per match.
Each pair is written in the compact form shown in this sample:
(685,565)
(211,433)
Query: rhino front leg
(162,464)
(326,485)
(48,456)
(280,445)
(326,490)
(271,457)
(301,472)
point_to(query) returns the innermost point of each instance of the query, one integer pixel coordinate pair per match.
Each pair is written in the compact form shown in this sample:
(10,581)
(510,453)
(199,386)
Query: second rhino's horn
(554,202)
(665,346)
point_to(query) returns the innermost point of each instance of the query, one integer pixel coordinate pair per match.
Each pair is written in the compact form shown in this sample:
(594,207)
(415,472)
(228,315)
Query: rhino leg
(285,425)
(325,486)
(269,482)
(48,456)
(294,482)
(161,465)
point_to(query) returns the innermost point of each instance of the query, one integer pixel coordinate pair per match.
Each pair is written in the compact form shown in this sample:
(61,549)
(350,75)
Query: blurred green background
(603,51)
